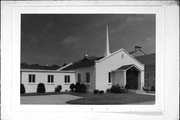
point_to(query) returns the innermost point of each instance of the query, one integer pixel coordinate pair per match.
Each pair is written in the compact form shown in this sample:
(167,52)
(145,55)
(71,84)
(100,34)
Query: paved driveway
(48,99)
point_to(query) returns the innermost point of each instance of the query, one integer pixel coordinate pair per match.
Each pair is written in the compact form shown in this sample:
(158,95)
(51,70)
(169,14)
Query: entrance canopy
(128,75)
(126,67)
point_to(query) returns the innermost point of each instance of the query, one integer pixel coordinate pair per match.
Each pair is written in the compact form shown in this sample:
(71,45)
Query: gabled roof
(139,50)
(85,62)
(38,67)
(147,59)
(124,67)
(118,52)
(61,68)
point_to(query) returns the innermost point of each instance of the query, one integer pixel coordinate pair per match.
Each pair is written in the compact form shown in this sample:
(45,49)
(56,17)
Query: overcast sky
(63,38)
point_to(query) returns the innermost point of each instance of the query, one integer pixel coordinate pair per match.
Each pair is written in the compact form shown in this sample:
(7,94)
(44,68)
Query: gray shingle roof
(85,62)
(149,59)
(124,67)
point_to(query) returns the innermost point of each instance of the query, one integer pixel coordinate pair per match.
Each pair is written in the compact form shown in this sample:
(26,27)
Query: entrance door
(132,78)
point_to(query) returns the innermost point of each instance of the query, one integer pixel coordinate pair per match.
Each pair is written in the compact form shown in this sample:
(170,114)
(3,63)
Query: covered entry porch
(128,75)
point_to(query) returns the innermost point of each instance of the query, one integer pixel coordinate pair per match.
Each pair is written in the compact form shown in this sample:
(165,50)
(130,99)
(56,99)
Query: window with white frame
(32,78)
(87,77)
(66,79)
(50,79)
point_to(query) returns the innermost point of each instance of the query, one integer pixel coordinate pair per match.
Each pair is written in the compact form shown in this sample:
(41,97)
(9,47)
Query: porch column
(140,80)
(124,77)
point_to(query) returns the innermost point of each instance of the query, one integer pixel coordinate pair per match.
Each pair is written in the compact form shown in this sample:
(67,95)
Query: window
(109,77)
(79,78)
(87,77)
(31,78)
(66,79)
(50,79)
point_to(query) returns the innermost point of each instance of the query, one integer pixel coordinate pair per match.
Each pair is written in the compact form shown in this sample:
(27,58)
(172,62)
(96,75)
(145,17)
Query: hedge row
(40,88)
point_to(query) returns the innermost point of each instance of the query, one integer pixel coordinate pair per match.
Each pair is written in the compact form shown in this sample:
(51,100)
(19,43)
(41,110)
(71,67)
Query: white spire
(107,52)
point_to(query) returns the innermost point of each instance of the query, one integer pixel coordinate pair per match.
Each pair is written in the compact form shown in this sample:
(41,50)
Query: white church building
(99,73)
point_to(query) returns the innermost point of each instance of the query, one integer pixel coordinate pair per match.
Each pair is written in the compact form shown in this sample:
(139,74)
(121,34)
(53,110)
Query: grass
(111,98)
(100,99)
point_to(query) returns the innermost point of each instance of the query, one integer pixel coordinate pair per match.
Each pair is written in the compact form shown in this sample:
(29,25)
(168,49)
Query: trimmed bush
(58,88)
(77,87)
(83,88)
(22,89)
(146,88)
(41,88)
(96,91)
(108,91)
(101,92)
(152,88)
(72,87)
(118,89)
(126,86)
(80,88)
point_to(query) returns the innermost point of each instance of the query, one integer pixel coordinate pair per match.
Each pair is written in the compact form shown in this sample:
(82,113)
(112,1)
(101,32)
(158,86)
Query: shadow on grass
(41,94)
(111,98)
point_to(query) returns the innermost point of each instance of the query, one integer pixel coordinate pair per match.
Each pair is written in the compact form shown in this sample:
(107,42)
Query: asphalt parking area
(48,99)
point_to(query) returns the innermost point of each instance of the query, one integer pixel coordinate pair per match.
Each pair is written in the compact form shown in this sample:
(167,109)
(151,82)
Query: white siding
(111,63)
(118,78)
(42,77)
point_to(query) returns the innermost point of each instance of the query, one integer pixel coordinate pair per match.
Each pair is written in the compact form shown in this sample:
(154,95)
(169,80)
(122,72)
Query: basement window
(66,79)
(50,79)
(32,78)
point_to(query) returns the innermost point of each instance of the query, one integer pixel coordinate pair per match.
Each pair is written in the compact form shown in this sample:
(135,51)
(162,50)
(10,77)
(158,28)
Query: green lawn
(111,98)
(107,98)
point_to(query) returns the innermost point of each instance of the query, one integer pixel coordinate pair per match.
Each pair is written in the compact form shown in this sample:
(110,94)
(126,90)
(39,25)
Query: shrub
(80,88)
(72,87)
(96,91)
(83,88)
(101,92)
(41,88)
(152,88)
(77,87)
(145,88)
(126,86)
(108,91)
(22,89)
(58,88)
(118,89)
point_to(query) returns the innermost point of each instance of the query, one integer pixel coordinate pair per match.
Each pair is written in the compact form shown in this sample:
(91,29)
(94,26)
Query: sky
(49,39)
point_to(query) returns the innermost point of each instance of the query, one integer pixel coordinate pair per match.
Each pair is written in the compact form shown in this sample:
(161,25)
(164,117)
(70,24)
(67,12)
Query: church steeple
(107,52)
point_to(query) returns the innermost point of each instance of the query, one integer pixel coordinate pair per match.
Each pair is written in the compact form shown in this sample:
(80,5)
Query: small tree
(41,88)
(22,89)
(72,87)
(58,88)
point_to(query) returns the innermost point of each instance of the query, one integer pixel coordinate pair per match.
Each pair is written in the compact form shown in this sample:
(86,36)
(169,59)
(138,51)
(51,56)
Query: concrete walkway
(48,99)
